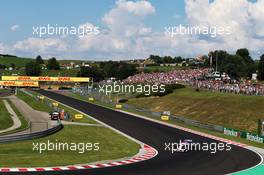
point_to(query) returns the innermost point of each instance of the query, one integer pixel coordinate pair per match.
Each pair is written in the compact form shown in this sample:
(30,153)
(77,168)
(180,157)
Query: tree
(118,70)
(39,60)
(157,59)
(13,65)
(261,68)
(178,59)
(94,72)
(2,66)
(33,69)
(234,66)
(251,66)
(240,65)
(168,59)
(53,64)
(244,53)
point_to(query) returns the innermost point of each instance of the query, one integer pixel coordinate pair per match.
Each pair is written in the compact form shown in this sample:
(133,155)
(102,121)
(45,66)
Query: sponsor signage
(55,104)
(60,79)
(118,106)
(19,83)
(255,138)
(78,116)
(261,127)
(41,97)
(231,132)
(91,99)
(165,117)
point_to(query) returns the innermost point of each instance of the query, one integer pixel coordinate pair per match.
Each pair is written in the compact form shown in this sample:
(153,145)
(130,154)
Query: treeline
(166,59)
(238,65)
(119,70)
(98,72)
(7,55)
(34,68)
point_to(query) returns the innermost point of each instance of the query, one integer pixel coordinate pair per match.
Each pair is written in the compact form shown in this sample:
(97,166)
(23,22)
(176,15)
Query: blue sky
(28,13)
(121,23)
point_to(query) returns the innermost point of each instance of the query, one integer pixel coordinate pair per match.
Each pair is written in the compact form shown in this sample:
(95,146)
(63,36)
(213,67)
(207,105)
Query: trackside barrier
(53,105)
(104,99)
(218,128)
(4,139)
(245,135)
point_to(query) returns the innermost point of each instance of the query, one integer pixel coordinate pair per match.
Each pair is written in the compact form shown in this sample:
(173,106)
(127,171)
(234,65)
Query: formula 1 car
(184,146)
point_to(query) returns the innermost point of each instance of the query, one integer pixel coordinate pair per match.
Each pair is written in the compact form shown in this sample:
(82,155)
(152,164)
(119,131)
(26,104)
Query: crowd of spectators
(196,78)
(171,77)
(245,87)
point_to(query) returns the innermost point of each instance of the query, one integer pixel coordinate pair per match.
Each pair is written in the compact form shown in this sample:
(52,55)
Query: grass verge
(42,106)
(225,109)
(111,146)
(33,102)
(24,122)
(5,118)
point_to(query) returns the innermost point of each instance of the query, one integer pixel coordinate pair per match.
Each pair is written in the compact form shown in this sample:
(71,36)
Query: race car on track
(184,146)
(54,115)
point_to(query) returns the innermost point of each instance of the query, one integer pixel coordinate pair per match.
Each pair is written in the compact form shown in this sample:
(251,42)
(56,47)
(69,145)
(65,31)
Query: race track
(155,135)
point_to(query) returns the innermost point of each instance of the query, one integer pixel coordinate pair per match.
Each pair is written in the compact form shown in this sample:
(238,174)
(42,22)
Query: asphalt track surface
(155,135)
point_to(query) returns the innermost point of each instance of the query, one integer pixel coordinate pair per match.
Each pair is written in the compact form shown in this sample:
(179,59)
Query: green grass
(112,146)
(33,103)
(229,110)
(215,133)
(42,106)
(69,61)
(61,73)
(4,90)
(18,61)
(72,113)
(5,119)
(21,62)
(24,122)
(175,122)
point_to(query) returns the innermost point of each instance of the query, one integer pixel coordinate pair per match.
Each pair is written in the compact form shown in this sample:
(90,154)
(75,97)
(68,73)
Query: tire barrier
(5,139)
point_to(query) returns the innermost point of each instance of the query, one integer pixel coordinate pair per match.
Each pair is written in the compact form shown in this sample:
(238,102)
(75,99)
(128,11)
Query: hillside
(18,61)
(230,110)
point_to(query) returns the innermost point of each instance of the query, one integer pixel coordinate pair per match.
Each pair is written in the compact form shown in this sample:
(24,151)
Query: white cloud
(14,27)
(1,48)
(243,17)
(4,49)
(47,46)
(124,27)
(126,19)
(126,35)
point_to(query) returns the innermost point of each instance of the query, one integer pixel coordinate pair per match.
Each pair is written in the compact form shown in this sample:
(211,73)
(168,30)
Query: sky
(130,29)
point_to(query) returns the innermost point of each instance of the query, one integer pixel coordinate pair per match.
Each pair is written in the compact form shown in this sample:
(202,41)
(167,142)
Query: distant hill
(6,55)
(18,61)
